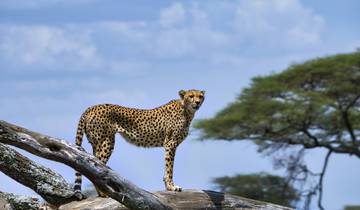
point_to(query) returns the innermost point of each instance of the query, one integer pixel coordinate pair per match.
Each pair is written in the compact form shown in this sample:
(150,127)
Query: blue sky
(57,57)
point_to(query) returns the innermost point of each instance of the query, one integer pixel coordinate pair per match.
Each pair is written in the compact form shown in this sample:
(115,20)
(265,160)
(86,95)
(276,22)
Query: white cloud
(225,27)
(281,23)
(193,30)
(197,38)
(300,35)
(173,15)
(47,46)
(32,4)
(130,29)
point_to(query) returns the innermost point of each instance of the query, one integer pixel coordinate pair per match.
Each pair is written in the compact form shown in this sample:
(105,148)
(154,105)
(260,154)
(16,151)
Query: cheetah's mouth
(196,107)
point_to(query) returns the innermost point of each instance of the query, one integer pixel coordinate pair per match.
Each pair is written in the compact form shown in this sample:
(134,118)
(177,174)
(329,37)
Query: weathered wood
(186,200)
(102,176)
(9,201)
(4,204)
(50,185)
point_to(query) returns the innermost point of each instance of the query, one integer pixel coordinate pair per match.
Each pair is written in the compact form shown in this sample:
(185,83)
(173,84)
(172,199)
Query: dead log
(99,174)
(50,185)
(186,200)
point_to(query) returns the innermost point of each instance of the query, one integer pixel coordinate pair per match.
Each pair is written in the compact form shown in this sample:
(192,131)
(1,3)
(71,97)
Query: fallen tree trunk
(99,174)
(112,184)
(51,186)
(186,200)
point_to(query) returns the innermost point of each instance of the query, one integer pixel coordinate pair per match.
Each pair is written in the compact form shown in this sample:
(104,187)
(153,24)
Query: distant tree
(352,208)
(311,105)
(264,187)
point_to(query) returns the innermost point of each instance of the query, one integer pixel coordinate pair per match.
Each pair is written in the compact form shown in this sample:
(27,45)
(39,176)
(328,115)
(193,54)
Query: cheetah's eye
(200,96)
(191,96)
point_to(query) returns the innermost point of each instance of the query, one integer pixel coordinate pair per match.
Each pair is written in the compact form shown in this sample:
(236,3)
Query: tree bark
(185,200)
(51,186)
(9,201)
(102,176)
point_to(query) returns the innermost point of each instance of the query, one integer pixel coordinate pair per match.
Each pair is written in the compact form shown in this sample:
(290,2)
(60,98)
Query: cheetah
(165,126)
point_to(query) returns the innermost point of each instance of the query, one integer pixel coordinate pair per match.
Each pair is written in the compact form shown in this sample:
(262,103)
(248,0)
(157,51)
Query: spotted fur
(166,126)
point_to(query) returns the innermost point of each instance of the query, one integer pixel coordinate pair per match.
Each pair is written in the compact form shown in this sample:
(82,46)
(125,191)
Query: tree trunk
(51,186)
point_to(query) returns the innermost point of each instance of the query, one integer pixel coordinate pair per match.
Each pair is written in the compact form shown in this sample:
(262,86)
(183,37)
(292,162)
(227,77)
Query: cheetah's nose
(197,102)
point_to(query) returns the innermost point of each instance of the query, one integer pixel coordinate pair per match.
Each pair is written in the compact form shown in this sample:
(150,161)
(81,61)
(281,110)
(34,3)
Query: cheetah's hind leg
(103,151)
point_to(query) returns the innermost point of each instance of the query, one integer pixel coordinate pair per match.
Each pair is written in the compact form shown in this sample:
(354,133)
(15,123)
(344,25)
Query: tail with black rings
(78,142)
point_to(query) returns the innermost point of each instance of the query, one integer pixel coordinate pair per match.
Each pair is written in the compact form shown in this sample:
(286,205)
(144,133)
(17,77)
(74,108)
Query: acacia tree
(310,105)
(261,186)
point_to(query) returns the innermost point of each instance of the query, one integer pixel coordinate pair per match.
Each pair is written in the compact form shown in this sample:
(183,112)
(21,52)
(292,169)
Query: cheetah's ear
(203,92)
(182,94)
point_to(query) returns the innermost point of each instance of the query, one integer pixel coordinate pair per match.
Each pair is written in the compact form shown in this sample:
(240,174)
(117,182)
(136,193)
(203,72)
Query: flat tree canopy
(314,104)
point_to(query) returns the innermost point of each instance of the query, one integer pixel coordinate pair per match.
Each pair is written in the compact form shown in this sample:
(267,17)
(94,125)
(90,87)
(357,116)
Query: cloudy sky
(57,57)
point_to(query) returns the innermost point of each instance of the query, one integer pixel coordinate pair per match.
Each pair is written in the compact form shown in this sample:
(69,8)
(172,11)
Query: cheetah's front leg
(170,149)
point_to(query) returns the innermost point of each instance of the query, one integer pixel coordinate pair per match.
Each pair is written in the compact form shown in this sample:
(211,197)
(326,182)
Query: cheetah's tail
(78,142)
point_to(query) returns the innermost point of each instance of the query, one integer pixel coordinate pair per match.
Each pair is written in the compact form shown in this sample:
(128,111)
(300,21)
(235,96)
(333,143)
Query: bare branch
(322,174)
(345,117)
(348,125)
(316,141)
(352,103)
(102,176)
(343,148)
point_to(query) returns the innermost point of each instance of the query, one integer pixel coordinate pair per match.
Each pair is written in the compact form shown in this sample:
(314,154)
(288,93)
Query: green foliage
(261,186)
(315,103)
(352,208)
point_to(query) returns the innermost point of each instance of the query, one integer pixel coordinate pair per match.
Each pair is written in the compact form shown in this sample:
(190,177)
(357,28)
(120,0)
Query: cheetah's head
(192,99)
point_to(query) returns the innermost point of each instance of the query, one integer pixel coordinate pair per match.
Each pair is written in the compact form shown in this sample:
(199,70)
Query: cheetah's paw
(175,188)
